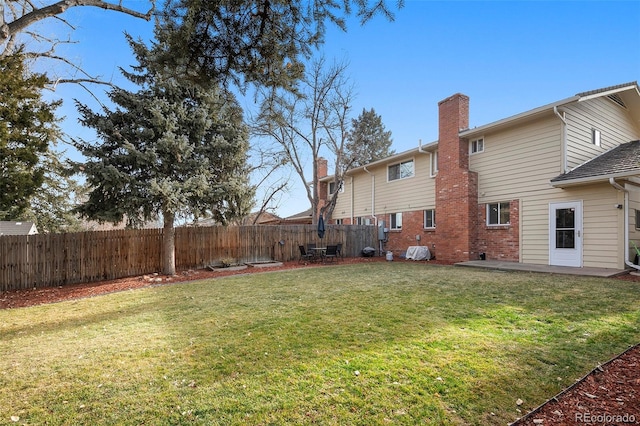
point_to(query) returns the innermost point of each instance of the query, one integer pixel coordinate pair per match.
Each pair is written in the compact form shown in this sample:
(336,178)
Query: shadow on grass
(359,344)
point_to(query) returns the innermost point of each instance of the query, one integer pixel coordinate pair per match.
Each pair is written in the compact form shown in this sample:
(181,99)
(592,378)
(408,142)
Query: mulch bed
(609,395)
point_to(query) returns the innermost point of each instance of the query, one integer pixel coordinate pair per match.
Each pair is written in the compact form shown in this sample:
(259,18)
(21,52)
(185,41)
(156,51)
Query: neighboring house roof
(621,161)
(17,228)
(303,217)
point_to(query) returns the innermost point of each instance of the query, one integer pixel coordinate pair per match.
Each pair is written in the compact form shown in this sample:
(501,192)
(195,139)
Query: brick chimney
(323,167)
(456,186)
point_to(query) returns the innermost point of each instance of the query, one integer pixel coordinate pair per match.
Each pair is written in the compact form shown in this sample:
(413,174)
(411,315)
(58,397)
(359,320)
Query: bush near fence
(46,260)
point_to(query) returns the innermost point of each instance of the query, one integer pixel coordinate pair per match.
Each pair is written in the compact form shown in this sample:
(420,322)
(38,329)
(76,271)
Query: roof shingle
(621,160)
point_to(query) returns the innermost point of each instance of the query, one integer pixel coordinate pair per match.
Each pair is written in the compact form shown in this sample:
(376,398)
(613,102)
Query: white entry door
(565,234)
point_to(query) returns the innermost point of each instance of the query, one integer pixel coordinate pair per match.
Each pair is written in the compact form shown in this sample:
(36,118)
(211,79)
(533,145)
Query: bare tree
(308,122)
(18,19)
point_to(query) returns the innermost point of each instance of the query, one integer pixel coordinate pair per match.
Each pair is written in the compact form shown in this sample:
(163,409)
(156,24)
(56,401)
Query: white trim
(476,142)
(411,160)
(498,203)
(569,256)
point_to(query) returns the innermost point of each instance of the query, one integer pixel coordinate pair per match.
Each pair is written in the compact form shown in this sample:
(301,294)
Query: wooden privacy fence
(45,260)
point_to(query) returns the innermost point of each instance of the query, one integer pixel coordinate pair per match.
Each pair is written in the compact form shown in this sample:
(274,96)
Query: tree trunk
(168,245)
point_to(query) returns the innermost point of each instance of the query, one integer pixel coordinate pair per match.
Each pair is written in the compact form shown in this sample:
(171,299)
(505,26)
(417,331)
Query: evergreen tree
(173,148)
(368,140)
(264,42)
(51,207)
(27,127)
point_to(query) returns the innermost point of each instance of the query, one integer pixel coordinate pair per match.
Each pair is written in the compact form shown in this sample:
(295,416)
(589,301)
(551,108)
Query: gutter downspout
(619,187)
(562,118)
(373,194)
(431,154)
(352,200)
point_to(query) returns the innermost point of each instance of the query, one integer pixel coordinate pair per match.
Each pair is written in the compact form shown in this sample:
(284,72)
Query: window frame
(399,165)
(500,205)
(473,146)
(425,215)
(433,163)
(637,225)
(393,221)
(340,188)
(596,137)
(364,220)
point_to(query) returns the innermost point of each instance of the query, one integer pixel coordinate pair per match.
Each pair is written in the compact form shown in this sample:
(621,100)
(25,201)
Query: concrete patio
(529,267)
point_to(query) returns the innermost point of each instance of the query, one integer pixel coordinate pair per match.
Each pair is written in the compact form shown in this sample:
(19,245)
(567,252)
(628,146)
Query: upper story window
(332,187)
(430,218)
(433,166)
(396,221)
(498,214)
(476,145)
(401,170)
(595,137)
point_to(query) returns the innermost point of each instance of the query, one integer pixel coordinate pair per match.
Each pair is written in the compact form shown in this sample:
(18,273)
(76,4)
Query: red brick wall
(456,212)
(499,242)
(412,225)
(456,186)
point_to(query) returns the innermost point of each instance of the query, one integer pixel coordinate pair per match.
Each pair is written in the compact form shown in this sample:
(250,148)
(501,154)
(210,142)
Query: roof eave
(518,117)
(594,179)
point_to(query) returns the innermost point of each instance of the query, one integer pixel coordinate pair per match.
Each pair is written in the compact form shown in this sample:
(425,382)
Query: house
(17,228)
(556,185)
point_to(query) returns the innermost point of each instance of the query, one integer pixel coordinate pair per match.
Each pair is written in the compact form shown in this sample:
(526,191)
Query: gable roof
(626,95)
(17,228)
(621,161)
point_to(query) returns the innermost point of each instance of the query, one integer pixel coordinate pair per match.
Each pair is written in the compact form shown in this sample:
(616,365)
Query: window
(595,137)
(401,170)
(430,218)
(364,221)
(498,214)
(637,219)
(339,221)
(332,188)
(396,220)
(476,146)
(434,163)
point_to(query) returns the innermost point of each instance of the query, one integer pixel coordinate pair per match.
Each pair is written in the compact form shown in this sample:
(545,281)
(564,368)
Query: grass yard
(365,344)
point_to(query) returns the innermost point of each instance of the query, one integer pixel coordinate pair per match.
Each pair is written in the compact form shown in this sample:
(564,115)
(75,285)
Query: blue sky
(507,56)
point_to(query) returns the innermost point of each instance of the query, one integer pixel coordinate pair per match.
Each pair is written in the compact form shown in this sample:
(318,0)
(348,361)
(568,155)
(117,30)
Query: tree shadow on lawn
(489,345)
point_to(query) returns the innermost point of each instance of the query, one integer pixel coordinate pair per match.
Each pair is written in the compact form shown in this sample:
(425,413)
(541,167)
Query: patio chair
(304,256)
(331,253)
(340,255)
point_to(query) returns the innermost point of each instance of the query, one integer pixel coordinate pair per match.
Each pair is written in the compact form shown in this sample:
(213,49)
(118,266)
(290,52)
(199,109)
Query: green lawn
(361,344)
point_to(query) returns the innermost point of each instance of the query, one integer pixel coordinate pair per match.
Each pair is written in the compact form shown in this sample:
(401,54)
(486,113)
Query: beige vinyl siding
(634,234)
(612,120)
(602,225)
(603,240)
(356,197)
(343,204)
(518,163)
(409,194)
(414,193)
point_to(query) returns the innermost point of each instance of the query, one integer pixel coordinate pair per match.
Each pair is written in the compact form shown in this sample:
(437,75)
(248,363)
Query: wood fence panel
(57,259)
